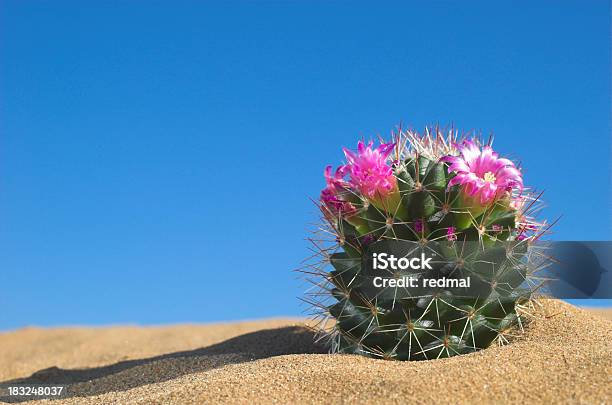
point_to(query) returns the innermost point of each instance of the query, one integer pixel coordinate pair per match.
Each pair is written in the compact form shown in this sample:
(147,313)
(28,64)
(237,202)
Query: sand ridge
(564,357)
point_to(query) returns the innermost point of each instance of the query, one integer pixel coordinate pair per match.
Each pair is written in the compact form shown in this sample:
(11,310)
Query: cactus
(452,197)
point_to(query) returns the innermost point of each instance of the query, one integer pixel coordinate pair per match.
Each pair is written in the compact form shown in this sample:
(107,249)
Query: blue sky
(151,153)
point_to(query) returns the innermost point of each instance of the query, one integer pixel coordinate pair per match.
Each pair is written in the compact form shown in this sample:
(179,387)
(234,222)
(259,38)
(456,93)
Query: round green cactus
(451,198)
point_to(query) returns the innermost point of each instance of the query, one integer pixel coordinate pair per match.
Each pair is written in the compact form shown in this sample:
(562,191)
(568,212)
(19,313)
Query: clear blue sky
(151,151)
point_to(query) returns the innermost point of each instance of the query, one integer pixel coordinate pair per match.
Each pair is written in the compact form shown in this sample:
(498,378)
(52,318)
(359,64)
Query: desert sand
(565,356)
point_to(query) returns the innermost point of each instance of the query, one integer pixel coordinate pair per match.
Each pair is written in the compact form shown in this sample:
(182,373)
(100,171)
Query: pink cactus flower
(483,175)
(367,239)
(450,233)
(331,195)
(418,226)
(497,228)
(368,170)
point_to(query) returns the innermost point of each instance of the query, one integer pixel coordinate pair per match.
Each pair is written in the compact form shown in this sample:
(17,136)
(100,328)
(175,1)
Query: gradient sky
(153,153)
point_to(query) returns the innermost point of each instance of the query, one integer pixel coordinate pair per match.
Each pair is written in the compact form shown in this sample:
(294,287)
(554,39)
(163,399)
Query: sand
(565,356)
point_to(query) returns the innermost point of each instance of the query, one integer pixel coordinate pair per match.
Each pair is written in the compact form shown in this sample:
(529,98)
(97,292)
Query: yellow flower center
(489,177)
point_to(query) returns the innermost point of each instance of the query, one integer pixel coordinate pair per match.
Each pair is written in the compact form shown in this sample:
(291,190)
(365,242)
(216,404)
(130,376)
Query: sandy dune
(565,357)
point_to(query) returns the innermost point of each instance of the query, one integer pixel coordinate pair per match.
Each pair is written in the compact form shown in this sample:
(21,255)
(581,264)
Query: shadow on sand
(251,346)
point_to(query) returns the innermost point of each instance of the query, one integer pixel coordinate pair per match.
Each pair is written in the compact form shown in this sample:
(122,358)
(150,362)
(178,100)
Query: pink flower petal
(482,173)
